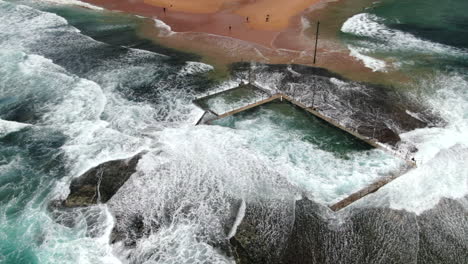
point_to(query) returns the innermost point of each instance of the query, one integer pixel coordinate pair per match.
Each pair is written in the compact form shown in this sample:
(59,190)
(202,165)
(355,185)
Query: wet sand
(224,17)
(219,31)
(260,14)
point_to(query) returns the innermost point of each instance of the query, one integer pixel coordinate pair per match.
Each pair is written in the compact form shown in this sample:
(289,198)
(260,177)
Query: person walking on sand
(164,10)
(230,28)
(267,18)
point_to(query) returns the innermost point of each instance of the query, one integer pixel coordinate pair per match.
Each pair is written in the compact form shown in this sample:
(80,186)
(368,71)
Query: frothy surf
(376,38)
(91,113)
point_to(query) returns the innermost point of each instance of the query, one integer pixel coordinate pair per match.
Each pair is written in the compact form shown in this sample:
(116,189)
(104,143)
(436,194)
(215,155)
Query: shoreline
(208,35)
(228,22)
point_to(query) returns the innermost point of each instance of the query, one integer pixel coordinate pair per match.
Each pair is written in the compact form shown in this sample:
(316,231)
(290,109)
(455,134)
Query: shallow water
(79,88)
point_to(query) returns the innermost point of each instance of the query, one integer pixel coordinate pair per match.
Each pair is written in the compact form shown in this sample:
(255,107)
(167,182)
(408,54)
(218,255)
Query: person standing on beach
(267,18)
(247,19)
(164,10)
(230,28)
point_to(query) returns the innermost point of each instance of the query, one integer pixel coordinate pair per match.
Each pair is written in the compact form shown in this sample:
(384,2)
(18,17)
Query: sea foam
(372,26)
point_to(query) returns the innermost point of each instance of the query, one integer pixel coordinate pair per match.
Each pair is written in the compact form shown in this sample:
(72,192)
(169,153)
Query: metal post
(316,40)
(250,73)
(375,123)
(313,92)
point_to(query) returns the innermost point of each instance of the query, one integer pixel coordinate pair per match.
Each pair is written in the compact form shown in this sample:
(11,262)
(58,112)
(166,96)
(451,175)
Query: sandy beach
(260,21)
(259,14)
(267,31)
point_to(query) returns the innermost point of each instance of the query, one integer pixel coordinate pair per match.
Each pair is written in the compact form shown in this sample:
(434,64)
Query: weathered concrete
(357,105)
(247,107)
(372,142)
(369,189)
(200,102)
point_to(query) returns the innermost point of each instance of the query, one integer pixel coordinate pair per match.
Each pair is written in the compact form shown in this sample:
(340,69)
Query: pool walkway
(373,187)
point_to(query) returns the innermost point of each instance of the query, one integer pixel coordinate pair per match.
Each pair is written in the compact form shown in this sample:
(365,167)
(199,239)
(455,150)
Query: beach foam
(442,153)
(164,29)
(372,26)
(75,3)
(370,62)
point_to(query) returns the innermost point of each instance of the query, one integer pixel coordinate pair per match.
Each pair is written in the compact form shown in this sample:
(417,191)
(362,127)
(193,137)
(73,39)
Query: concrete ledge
(373,187)
(372,142)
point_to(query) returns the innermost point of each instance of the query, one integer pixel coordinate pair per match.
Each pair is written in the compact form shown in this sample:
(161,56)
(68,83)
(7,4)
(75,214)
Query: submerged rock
(100,183)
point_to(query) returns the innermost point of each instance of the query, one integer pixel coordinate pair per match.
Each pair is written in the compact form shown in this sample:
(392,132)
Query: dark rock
(356,105)
(385,235)
(306,242)
(100,183)
(381,133)
(316,236)
(264,231)
(132,232)
(444,234)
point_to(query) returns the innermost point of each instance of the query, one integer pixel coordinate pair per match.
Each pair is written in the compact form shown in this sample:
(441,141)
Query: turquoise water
(78,88)
(427,41)
(445,22)
(412,35)
(294,122)
(232,99)
(315,156)
(69,102)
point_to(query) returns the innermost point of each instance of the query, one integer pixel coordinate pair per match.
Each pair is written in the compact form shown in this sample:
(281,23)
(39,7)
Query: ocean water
(70,102)
(425,40)
(78,87)
(301,145)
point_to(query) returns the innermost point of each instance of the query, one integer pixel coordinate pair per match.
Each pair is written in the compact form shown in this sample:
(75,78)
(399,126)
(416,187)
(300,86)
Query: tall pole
(316,40)
(375,123)
(250,72)
(313,92)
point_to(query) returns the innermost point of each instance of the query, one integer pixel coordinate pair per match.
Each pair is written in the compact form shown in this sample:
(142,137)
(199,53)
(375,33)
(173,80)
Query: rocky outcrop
(376,111)
(383,133)
(361,235)
(263,232)
(444,233)
(100,183)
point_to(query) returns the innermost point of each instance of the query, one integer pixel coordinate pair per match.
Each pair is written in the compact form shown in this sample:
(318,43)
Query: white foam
(372,26)
(192,67)
(442,151)
(415,115)
(223,103)
(57,239)
(305,24)
(239,217)
(75,3)
(177,244)
(15,30)
(164,29)
(370,62)
(7,127)
(224,86)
